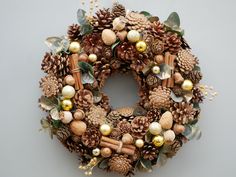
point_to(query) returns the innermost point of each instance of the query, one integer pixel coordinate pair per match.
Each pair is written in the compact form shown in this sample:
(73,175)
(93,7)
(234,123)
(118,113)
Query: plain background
(24,24)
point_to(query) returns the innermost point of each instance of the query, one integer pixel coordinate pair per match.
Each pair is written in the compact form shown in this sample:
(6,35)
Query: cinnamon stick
(74,67)
(115,147)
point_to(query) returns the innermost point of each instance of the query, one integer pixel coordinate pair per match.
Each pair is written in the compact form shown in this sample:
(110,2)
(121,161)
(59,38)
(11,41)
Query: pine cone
(137,21)
(50,85)
(126,51)
(116,134)
(186,61)
(120,164)
(195,76)
(118,10)
(124,126)
(55,64)
(160,97)
(139,126)
(91,138)
(139,64)
(158,47)
(102,20)
(153,81)
(178,91)
(96,116)
(172,43)
(101,72)
(154,115)
(74,32)
(157,29)
(183,113)
(125,111)
(113,118)
(104,103)
(197,96)
(84,98)
(93,44)
(149,152)
(76,147)
(174,148)
(63,133)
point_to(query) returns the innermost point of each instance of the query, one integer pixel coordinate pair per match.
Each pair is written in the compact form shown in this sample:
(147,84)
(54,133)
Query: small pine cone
(102,20)
(113,118)
(101,72)
(76,147)
(55,64)
(197,96)
(137,21)
(93,44)
(124,126)
(139,126)
(158,47)
(104,103)
(118,10)
(178,91)
(96,116)
(154,115)
(186,61)
(157,29)
(153,81)
(174,148)
(183,113)
(63,133)
(125,111)
(84,98)
(149,151)
(139,64)
(116,134)
(74,32)
(120,164)
(50,85)
(172,43)
(126,51)
(160,97)
(195,76)
(91,138)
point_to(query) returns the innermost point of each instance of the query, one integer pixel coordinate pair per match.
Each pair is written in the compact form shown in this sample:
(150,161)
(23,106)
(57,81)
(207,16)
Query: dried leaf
(56,123)
(103,164)
(165,72)
(144,165)
(87,78)
(48,103)
(85,67)
(54,114)
(148,137)
(113,47)
(45,123)
(188,96)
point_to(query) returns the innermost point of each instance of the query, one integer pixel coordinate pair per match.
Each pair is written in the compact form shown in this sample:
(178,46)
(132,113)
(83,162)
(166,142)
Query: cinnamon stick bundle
(169,60)
(75,70)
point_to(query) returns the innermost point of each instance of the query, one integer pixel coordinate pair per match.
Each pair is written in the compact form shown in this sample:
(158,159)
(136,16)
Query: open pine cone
(96,116)
(150,151)
(84,98)
(91,138)
(126,51)
(160,97)
(120,164)
(74,32)
(118,10)
(139,126)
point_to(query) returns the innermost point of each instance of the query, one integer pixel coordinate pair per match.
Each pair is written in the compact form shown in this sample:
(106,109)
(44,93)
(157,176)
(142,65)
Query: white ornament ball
(66,117)
(68,91)
(139,143)
(155,128)
(96,152)
(169,136)
(108,36)
(156,69)
(133,36)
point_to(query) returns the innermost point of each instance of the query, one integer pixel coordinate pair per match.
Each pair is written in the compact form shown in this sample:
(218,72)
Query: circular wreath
(128,138)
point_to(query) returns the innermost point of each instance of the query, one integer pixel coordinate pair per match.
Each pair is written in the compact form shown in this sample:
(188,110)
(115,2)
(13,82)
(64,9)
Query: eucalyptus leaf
(147,68)
(85,29)
(48,103)
(56,123)
(145,13)
(188,96)
(175,98)
(57,44)
(54,114)
(192,132)
(45,123)
(161,160)
(165,72)
(173,20)
(113,47)
(146,164)
(81,16)
(103,164)
(148,137)
(85,67)
(87,78)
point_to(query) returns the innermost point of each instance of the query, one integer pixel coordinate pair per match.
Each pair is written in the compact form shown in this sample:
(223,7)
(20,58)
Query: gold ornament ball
(68,91)
(155,128)
(158,141)
(92,57)
(74,47)
(96,152)
(106,152)
(156,69)
(141,46)
(105,129)
(139,143)
(69,79)
(187,85)
(133,36)
(66,105)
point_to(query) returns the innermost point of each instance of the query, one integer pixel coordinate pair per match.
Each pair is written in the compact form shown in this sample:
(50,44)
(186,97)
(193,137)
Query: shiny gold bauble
(92,57)
(187,85)
(96,152)
(139,143)
(70,80)
(106,152)
(133,36)
(105,129)
(78,127)
(66,105)
(158,141)
(156,69)
(74,47)
(141,46)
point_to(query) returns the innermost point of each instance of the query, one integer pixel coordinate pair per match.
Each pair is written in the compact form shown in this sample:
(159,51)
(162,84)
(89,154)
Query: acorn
(127,139)
(169,136)
(178,129)
(79,114)
(178,78)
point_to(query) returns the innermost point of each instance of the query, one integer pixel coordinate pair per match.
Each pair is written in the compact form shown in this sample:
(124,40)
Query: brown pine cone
(157,29)
(63,133)
(186,61)
(120,164)
(182,112)
(101,72)
(139,126)
(74,32)
(160,97)
(124,126)
(84,98)
(104,103)
(113,118)
(91,138)
(102,20)
(96,116)
(153,81)
(55,64)
(178,91)
(139,64)
(195,76)
(118,10)
(126,51)
(174,147)
(149,151)
(137,21)
(154,115)
(197,96)
(172,43)
(116,134)
(125,111)
(76,147)
(93,44)
(158,47)
(50,85)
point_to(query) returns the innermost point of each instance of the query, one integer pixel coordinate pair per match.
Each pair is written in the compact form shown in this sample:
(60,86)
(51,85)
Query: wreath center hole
(122,90)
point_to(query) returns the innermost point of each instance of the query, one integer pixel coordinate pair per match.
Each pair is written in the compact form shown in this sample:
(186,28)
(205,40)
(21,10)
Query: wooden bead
(69,79)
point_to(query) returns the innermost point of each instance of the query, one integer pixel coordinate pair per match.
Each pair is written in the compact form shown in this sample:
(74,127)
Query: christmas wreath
(167,73)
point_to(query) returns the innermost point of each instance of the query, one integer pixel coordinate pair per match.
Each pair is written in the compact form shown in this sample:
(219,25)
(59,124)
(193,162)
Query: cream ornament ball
(133,36)
(92,58)
(108,36)
(156,70)
(155,128)
(139,143)
(66,117)
(68,91)
(187,85)
(105,129)
(74,47)
(96,152)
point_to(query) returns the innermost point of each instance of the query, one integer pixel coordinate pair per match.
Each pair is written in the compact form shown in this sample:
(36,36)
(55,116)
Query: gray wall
(24,24)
